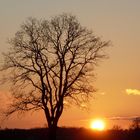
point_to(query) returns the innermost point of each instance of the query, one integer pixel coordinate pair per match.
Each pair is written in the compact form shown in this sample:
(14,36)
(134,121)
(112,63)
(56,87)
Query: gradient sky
(118,78)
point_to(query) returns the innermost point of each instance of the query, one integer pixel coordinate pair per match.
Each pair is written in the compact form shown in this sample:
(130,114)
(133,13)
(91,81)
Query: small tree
(116,128)
(135,124)
(51,61)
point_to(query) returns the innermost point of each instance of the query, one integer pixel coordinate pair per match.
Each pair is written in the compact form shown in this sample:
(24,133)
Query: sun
(98,124)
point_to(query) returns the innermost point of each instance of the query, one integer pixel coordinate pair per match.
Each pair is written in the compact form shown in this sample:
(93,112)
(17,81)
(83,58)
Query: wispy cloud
(115,118)
(132,91)
(101,93)
(129,118)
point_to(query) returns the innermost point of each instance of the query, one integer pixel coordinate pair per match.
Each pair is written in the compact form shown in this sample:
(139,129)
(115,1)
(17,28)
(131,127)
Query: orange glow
(98,124)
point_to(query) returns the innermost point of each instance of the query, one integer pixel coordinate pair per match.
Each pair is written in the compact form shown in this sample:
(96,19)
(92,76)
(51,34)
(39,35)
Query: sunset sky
(118,78)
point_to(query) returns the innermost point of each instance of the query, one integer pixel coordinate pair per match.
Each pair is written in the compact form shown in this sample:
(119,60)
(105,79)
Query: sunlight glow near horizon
(97,124)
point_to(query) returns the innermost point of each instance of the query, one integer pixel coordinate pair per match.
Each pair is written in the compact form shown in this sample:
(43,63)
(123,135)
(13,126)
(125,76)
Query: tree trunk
(52,132)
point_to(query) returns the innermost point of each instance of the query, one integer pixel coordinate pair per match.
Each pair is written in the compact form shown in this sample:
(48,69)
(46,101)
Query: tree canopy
(51,62)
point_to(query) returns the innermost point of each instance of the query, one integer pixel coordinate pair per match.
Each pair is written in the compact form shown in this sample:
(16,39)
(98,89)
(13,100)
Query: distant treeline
(70,134)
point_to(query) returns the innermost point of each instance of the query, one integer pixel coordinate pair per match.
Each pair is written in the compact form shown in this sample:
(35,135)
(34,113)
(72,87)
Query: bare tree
(51,62)
(116,128)
(135,124)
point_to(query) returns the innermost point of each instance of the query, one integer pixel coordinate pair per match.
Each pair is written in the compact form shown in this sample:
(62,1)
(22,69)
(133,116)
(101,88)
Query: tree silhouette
(135,124)
(51,63)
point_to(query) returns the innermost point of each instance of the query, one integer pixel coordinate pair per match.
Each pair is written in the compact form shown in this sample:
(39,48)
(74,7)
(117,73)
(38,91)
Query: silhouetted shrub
(69,134)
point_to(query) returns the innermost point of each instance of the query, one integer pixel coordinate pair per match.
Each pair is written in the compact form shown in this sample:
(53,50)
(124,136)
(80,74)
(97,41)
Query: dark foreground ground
(69,134)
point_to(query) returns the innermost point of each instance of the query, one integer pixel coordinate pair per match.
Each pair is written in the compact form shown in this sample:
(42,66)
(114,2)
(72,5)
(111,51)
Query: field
(69,134)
